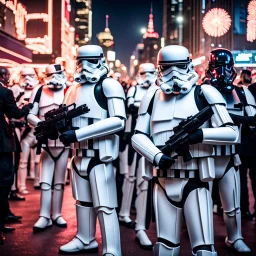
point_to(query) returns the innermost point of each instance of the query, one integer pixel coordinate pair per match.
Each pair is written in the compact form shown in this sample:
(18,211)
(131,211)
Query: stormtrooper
(242,109)
(181,188)
(132,166)
(95,146)
(54,155)
(28,80)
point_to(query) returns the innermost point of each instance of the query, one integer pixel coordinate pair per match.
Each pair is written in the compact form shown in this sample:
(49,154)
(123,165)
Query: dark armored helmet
(221,70)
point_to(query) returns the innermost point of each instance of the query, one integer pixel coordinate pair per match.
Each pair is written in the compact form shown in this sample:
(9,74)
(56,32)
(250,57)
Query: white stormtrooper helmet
(55,77)
(91,64)
(175,70)
(117,76)
(28,78)
(146,74)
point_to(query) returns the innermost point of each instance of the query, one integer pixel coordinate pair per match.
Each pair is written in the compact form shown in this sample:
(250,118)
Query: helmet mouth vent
(176,88)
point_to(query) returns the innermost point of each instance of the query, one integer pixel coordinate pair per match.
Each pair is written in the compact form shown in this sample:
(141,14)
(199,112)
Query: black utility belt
(86,152)
(15,124)
(180,174)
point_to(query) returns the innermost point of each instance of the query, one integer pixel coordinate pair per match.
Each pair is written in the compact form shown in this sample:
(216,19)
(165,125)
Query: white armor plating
(138,166)
(229,183)
(28,78)
(146,75)
(159,125)
(22,93)
(93,179)
(175,71)
(169,200)
(53,165)
(55,79)
(135,95)
(91,66)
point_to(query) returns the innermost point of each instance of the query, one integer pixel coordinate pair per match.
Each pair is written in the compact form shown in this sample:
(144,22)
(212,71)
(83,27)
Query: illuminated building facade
(151,42)
(183,23)
(54,41)
(106,41)
(83,21)
(12,34)
(147,50)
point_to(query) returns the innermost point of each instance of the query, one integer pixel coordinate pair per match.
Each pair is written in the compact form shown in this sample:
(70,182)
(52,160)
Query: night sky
(126,18)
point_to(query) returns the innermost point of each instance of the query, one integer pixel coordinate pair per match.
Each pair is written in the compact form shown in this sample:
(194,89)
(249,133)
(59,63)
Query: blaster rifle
(58,121)
(178,142)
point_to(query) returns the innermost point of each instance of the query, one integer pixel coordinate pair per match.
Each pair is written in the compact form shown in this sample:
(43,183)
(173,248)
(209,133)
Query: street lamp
(179,19)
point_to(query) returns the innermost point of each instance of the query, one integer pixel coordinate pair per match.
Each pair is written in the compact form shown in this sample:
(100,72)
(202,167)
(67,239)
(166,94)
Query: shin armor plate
(86,223)
(229,187)
(199,219)
(110,232)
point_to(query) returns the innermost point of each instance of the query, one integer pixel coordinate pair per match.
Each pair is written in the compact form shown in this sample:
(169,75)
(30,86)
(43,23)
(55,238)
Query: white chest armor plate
(140,92)
(84,94)
(168,111)
(49,100)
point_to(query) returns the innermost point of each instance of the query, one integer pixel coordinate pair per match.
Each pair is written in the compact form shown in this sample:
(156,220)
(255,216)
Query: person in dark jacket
(8,109)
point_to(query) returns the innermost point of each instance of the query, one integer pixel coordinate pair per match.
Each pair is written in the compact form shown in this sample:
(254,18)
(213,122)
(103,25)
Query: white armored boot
(161,249)
(124,214)
(235,239)
(84,241)
(44,220)
(110,232)
(141,235)
(57,205)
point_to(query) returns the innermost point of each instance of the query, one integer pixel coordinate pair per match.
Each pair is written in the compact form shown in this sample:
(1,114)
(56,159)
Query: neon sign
(41,45)
(20,21)
(67,37)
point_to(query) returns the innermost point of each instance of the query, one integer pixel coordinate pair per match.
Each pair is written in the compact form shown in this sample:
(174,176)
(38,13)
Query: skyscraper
(106,41)
(151,42)
(83,21)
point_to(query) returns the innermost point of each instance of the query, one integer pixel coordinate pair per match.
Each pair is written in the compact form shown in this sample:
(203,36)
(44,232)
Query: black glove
(27,107)
(68,137)
(196,137)
(165,162)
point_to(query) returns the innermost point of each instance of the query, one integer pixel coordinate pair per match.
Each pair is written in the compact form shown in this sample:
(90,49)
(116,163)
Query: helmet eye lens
(94,61)
(182,66)
(163,68)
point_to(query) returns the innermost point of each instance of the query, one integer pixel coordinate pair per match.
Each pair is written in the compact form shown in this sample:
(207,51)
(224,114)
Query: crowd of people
(186,148)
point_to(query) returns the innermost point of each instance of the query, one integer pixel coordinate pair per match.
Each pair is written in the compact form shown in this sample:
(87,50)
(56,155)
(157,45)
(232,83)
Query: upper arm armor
(112,88)
(131,92)
(116,108)
(147,99)
(249,97)
(212,95)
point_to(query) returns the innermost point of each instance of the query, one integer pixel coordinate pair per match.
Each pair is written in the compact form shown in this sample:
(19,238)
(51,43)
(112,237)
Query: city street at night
(23,242)
(128,127)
